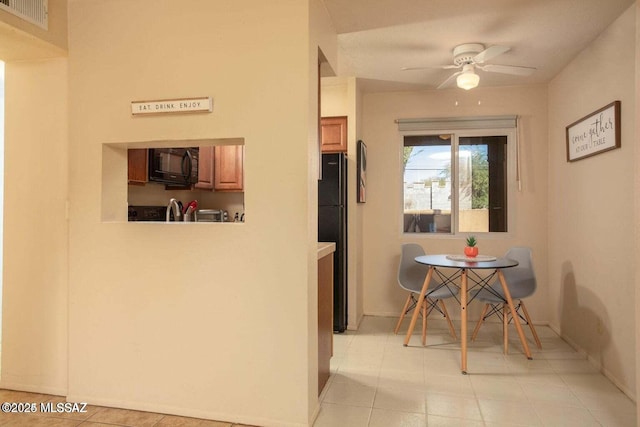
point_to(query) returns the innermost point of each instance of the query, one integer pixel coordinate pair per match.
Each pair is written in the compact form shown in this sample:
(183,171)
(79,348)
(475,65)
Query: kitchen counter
(325,311)
(325,248)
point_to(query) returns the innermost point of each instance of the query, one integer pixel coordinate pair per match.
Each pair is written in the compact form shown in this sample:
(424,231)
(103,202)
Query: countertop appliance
(148,213)
(158,214)
(174,166)
(209,215)
(332,227)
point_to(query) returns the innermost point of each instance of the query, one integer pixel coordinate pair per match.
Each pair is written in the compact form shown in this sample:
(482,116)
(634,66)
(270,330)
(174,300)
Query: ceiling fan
(470,56)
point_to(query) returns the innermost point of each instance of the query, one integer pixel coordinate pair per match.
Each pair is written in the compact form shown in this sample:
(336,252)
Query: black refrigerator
(332,227)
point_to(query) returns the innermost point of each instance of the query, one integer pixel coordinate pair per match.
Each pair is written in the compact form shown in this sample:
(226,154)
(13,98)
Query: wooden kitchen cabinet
(221,168)
(205,168)
(334,134)
(228,170)
(138,166)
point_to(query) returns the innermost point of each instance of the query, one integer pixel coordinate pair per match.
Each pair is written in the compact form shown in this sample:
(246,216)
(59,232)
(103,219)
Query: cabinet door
(205,168)
(138,169)
(334,134)
(325,319)
(228,168)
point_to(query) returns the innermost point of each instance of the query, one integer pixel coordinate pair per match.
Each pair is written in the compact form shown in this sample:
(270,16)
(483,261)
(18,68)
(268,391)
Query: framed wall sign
(172,106)
(595,133)
(361,161)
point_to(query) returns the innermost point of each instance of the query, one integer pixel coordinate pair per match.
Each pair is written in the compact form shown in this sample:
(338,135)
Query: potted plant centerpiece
(471,250)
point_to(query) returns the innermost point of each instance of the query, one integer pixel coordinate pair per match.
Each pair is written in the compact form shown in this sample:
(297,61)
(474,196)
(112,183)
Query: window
(457,182)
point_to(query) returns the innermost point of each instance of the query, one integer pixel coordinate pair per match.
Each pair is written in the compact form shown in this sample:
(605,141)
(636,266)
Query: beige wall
(381,213)
(217,322)
(322,48)
(636,203)
(591,219)
(22,40)
(169,318)
(341,97)
(34,311)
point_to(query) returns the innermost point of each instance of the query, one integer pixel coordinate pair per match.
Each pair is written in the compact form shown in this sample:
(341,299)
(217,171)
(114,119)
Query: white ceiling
(378,37)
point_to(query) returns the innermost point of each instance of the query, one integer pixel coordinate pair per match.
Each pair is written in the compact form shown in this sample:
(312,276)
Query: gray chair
(411,277)
(521,281)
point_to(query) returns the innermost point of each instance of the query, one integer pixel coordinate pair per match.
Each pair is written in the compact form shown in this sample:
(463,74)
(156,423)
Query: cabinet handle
(189,161)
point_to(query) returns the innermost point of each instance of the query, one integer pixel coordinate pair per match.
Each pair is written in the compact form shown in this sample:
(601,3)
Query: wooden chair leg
(505,327)
(404,311)
(533,330)
(424,321)
(475,331)
(446,314)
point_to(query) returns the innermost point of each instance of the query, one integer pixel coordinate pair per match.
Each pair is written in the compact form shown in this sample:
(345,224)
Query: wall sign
(595,133)
(172,106)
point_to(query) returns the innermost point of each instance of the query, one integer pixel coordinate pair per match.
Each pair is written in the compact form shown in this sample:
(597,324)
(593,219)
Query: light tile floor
(376,381)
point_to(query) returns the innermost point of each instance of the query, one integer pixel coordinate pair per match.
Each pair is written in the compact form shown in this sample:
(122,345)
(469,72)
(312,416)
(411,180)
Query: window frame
(456,134)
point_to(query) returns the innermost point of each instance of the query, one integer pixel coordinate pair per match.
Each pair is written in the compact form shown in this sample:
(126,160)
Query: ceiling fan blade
(508,69)
(489,53)
(451,78)
(415,68)
(433,67)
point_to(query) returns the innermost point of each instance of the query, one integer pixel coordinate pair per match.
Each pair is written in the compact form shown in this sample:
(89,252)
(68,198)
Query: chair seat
(442,292)
(521,282)
(436,291)
(517,290)
(411,278)
(487,296)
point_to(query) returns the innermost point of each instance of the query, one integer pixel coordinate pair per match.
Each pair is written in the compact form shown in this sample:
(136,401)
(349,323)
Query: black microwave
(173,166)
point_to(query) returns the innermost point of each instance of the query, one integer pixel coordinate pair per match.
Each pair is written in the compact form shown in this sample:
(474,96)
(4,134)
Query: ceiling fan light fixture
(468,79)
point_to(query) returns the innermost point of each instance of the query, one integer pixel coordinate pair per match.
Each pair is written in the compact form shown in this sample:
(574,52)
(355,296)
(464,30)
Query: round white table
(461,270)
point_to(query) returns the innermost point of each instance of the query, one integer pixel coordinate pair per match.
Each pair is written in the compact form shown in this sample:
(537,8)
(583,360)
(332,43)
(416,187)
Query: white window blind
(457,123)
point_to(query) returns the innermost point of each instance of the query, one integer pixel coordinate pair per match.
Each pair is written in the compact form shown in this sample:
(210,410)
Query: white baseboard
(30,388)
(354,326)
(315,414)
(382,314)
(184,412)
(595,363)
(152,407)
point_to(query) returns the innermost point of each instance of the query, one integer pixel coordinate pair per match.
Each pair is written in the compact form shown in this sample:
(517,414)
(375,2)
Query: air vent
(34,11)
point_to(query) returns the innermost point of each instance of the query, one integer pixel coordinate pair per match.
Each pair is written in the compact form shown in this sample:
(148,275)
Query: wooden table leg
(416,311)
(533,330)
(404,311)
(424,322)
(446,314)
(505,328)
(477,328)
(514,314)
(463,316)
